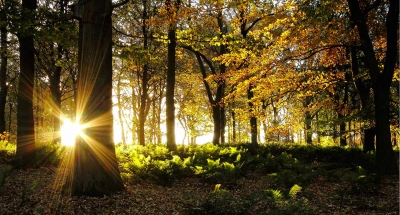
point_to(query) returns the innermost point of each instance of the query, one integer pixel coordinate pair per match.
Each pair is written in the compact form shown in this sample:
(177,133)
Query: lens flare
(69,131)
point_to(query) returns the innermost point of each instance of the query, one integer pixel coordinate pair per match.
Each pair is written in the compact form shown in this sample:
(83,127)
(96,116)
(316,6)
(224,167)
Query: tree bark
(341,116)
(120,107)
(381,81)
(307,121)
(233,126)
(369,140)
(363,90)
(95,169)
(253,119)
(25,154)
(55,80)
(3,76)
(170,91)
(145,80)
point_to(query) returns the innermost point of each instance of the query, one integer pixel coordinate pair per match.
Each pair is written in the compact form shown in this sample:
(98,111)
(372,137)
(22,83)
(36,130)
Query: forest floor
(37,191)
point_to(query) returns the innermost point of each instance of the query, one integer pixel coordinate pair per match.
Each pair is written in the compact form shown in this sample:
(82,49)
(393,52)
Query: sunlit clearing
(69,131)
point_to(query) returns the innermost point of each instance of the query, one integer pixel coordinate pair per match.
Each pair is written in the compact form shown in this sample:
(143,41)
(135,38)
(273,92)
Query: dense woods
(140,76)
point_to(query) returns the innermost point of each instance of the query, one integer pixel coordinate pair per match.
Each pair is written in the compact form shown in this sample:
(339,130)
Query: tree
(53,42)
(381,80)
(3,69)
(170,91)
(211,29)
(25,153)
(364,90)
(95,168)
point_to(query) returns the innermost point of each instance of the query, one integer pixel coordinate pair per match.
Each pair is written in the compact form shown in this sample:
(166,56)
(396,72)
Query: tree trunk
(143,104)
(217,124)
(120,107)
(275,122)
(159,133)
(342,114)
(55,91)
(25,154)
(363,90)
(55,81)
(170,91)
(145,80)
(253,119)
(381,81)
(233,126)
(95,171)
(307,121)
(369,140)
(3,76)
(342,130)
(223,124)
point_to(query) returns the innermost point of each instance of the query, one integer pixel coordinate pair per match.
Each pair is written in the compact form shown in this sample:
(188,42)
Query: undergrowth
(287,169)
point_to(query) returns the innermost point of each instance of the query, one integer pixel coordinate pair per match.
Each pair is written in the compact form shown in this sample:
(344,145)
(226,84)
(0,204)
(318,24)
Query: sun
(69,131)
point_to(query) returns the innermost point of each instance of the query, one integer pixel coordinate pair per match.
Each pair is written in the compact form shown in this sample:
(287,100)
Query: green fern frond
(294,190)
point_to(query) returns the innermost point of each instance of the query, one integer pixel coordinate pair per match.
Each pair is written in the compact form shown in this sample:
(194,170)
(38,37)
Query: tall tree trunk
(134,129)
(253,119)
(145,79)
(342,114)
(250,94)
(120,107)
(95,169)
(25,154)
(3,76)
(275,122)
(160,98)
(307,121)
(233,126)
(363,90)
(381,81)
(143,104)
(170,89)
(55,80)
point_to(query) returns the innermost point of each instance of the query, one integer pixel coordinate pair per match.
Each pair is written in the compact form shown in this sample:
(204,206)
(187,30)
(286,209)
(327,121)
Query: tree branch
(119,4)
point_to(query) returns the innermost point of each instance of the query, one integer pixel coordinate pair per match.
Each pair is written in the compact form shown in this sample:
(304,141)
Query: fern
(217,187)
(294,190)
(275,194)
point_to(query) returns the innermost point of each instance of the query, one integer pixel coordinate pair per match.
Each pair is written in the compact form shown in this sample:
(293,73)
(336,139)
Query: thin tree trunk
(307,121)
(253,119)
(145,80)
(55,80)
(233,126)
(143,104)
(159,133)
(120,107)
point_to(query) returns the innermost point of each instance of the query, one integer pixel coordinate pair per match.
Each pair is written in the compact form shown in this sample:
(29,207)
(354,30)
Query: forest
(199,107)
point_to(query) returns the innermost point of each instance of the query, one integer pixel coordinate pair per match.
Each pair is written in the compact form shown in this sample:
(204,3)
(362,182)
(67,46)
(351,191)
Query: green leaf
(294,190)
